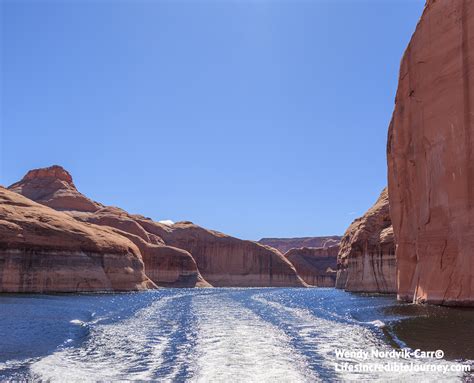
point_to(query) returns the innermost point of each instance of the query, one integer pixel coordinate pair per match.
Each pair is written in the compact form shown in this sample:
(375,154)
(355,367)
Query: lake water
(224,335)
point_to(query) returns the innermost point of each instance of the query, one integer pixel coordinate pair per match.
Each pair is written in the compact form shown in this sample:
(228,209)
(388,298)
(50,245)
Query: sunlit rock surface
(431,160)
(166,266)
(366,260)
(43,250)
(181,254)
(227,261)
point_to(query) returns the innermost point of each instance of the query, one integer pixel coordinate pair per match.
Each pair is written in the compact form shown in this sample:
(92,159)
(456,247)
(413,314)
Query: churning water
(221,335)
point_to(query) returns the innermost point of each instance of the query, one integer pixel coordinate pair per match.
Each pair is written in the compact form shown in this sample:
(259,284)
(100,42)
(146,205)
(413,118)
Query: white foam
(227,341)
(234,344)
(128,349)
(325,336)
(377,323)
(78,322)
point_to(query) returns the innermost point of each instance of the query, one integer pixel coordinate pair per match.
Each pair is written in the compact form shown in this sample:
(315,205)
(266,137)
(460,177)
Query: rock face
(42,250)
(165,265)
(366,260)
(431,159)
(53,187)
(315,265)
(228,261)
(173,254)
(285,244)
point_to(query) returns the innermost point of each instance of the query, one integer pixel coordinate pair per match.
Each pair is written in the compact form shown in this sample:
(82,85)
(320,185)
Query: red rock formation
(430,158)
(315,265)
(170,266)
(43,250)
(222,260)
(366,260)
(285,244)
(225,260)
(53,187)
(166,266)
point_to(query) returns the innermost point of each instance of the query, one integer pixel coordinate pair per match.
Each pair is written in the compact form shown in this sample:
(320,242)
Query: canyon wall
(286,244)
(315,265)
(174,255)
(227,261)
(164,265)
(42,250)
(366,259)
(431,159)
(167,266)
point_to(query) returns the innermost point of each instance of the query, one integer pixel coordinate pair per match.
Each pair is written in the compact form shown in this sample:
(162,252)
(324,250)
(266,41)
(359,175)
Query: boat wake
(215,335)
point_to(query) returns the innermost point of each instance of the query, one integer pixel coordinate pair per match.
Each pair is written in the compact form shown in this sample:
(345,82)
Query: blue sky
(256,118)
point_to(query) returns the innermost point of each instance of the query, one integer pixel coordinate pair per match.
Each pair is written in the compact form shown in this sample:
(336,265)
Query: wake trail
(131,349)
(234,344)
(319,337)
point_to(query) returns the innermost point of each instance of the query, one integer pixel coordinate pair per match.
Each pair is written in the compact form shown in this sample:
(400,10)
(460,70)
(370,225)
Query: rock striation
(43,250)
(315,265)
(227,261)
(285,244)
(174,255)
(431,160)
(53,187)
(366,259)
(166,266)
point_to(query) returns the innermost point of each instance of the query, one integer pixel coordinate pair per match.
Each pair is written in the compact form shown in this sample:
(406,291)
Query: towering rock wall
(366,260)
(42,250)
(315,265)
(431,159)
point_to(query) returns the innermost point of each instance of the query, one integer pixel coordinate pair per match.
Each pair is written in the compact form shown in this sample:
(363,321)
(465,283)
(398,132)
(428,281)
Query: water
(221,335)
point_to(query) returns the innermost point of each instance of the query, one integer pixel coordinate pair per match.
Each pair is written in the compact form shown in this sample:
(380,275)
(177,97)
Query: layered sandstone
(53,187)
(227,261)
(286,244)
(366,259)
(167,266)
(43,250)
(431,160)
(164,265)
(315,265)
(176,255)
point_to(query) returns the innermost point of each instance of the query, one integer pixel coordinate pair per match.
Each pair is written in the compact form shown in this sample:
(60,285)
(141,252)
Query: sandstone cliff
(167,266)
(285,244)
(430,158)
(366,260)
(42,250)
(164,265)
(227,261)
(315,265)
(171,252)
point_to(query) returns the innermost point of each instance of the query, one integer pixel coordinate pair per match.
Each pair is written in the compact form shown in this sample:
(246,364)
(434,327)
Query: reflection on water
(220,335)
(436,327)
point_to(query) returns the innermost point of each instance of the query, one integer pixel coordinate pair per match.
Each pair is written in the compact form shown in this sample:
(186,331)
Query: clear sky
(257,118)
